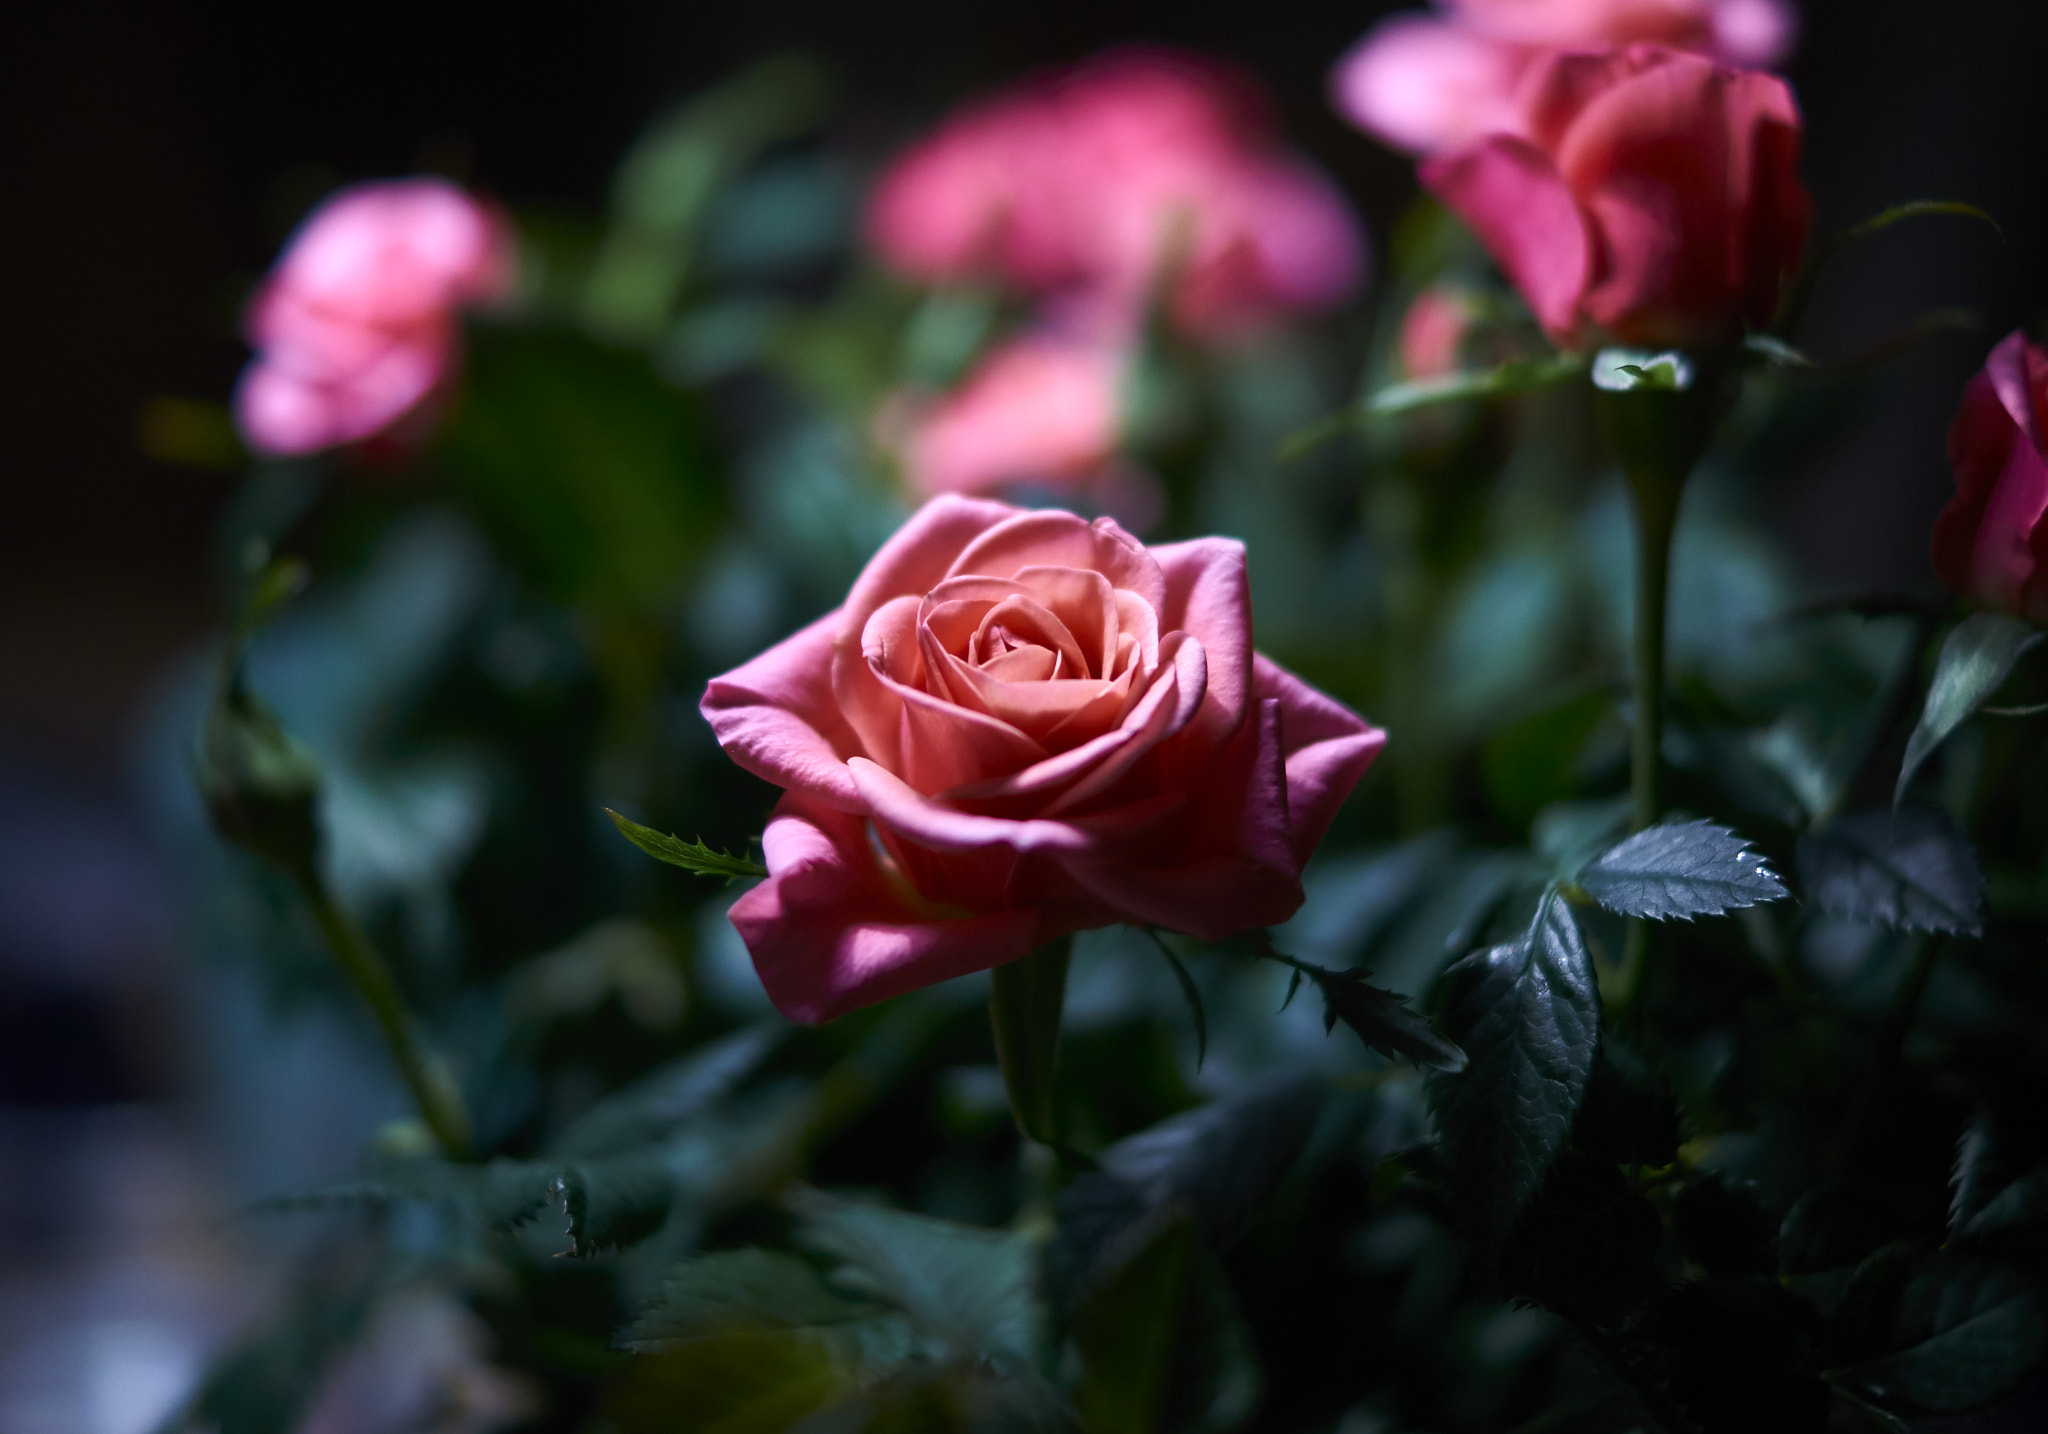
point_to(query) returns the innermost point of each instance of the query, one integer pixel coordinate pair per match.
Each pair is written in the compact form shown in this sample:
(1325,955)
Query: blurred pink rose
(1991,541)
(1423,83)
(1019,725)
(1432,339)
(357,324)
(1108,178)
(1038,409)
(1654,201)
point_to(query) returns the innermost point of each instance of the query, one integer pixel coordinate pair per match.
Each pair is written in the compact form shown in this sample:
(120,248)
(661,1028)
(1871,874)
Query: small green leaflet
(1682,869)
(1909,868)
(1974,663)
(691,856)
(1380,1018)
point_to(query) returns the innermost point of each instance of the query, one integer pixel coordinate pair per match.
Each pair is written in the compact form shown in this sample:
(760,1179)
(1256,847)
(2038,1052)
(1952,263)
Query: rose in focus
(1095,184)
(357,326)
(1991,541)
(1655,200)
(1423,83)
(1021,725)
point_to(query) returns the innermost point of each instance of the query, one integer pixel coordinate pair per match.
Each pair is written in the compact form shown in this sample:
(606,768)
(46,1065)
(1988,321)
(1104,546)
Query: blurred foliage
(1789,1172)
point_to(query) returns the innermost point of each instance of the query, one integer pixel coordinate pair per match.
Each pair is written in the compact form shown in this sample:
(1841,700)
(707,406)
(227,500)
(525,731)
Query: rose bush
(1422,83)
(1655,201)
(1990,542)
(1094,183)
(1021,725)
(357,325)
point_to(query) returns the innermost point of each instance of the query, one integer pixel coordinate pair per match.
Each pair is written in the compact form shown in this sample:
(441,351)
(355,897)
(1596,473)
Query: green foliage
(1682,869)
(1975,661)
(1380,1018)
(1909,868)
(1955,1332)
(1528,1016)
(691,856)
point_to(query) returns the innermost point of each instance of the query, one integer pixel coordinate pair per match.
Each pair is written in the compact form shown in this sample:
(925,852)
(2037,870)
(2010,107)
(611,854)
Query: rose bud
(1655,201)
(356,328)
(1105,180)
(1990,542)
(1422,83)
(1021,725)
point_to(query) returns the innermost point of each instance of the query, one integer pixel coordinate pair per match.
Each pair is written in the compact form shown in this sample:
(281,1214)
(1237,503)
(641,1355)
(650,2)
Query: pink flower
(1038,409)
(1433,332)
(357,325)
(1019,725)
(1990,543)
(1423,83)
(1104,180)
(1655,200)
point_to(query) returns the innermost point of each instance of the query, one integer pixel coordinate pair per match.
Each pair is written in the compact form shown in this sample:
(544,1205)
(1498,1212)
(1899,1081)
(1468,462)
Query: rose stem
(439,1103)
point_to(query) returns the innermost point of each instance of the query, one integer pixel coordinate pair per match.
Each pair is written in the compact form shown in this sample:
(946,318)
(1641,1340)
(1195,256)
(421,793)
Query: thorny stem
(439,1103)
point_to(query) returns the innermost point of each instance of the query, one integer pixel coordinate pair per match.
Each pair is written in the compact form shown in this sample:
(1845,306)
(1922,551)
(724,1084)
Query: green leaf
(1400,398)
(2000,1184)
(1218,1161)
(616,1201)
(1913,209)
(969,1291)
(1380,1018)
(1908,868)
(260,782)
(741,1381)
(691,856)
(1682,869)
(1628,1115)
(652,1107)
(766,1289)
(1975,660)
(1528,1016)
(1963,1331)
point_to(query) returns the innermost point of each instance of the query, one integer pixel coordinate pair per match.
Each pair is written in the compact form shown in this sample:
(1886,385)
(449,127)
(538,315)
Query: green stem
(439,1103)
(1024,1005)
(1891,1047)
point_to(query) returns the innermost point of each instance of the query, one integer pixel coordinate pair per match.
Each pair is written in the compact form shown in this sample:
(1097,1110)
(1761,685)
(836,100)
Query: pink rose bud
(1020,725)
(356,326)
(1990,543)
(1433,331)
(1038,410)
(1655,200)
(1423,83)
(1122,173)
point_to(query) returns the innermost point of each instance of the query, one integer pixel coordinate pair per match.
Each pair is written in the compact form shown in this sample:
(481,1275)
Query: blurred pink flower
(1039,409)
(1432,338)
(1991,541)
(1134,170)
(356,326)
(1423,83)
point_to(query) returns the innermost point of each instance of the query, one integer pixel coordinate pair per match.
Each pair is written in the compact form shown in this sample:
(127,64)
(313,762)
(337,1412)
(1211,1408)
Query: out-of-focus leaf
(615,1201)
(739,1381)
(1534,762)
(1507,625)
(1723,1228)
(1628,1115)
(1566,834)
(1528,1016)
(1909,868)
(766,1289)
(1975,660)
(1832,1228)
(1518,377)
(1962,1332)
(658,1102)
(969,1291)
(259,781)
(589,472)
(1218,1161)
(264,1385)
(1682,869)
(691,856)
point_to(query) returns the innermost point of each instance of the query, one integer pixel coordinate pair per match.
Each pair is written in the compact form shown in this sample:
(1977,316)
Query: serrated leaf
(616,1201)
(1963,1332)
(691,856)
(1528,1016)
(1975,660)
(1382,1019)
(1682,869)
(969,1290)
(766,1289)
(1219,1161)
(1909,868)
(659,1102)
(501,1195)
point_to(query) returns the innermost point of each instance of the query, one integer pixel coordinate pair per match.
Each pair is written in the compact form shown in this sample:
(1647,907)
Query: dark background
(159,153)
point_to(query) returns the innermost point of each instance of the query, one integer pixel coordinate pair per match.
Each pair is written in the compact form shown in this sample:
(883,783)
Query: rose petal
(829,934)
(1054,539)
(921,552)
(777,716)
(1209,596)
(1515,200)
(1327,749)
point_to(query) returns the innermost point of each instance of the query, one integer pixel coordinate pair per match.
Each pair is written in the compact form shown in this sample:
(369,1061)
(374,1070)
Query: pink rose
(1433,331)
(357,324)
(1106,178)
(1655,201)
(1990,543)
(1423,83)
(1020,725)
(1038,409)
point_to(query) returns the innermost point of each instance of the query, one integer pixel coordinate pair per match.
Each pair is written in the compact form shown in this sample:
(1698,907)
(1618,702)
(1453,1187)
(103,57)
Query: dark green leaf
(259,782)
(1975,661)
(1913,209)
(691,856)
(1683,869)
(501,1195)
(1382,1019)
(655,1105)
(1908,868)
(766,1289)
(969,1290)
(1963,1331)
(1628,1115)
(616,1201)
(1583,1232)
(740,1381)
(1528,1017)
(1831,1229)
